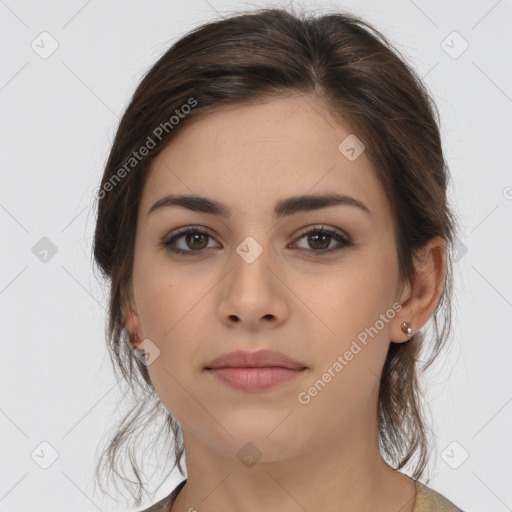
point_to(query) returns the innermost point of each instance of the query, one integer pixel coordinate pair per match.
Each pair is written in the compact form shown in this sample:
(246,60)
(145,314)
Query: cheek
(352,319)
(342,304)
(167,294)
(350,352)
(172,312)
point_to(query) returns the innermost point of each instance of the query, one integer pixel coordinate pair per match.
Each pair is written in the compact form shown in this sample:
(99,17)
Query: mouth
(254,371)
(256,378)
(259,359)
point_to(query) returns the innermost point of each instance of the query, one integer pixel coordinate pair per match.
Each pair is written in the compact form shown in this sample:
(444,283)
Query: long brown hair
(365,83)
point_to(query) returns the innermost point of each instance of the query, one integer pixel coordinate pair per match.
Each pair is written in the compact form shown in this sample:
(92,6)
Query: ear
(131,317)
(419,300)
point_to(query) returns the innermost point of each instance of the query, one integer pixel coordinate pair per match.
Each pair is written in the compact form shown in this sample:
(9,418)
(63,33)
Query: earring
(406,328)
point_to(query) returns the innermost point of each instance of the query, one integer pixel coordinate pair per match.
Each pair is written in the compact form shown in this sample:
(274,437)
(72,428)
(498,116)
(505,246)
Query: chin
(261,440)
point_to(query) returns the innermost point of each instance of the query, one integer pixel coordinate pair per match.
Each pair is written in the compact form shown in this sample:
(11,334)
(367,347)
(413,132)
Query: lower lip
(254,379)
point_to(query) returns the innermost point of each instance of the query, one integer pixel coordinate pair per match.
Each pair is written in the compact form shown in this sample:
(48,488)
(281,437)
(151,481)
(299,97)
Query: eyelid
(321,227)
(185,229)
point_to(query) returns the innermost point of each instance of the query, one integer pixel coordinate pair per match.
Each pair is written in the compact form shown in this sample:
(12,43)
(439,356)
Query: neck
(345,472)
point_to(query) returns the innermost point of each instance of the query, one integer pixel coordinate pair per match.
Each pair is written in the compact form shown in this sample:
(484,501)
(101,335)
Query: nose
(254,295)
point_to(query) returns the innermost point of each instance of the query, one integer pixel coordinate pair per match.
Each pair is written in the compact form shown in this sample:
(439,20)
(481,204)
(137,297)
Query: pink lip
(254,379)
(262,358)
(254,371)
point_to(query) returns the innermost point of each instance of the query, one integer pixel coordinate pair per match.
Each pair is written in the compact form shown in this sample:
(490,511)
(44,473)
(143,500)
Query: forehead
(253,155)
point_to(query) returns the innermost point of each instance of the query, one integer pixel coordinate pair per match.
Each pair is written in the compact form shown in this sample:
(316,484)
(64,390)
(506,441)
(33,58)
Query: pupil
(194,237)
(315,240)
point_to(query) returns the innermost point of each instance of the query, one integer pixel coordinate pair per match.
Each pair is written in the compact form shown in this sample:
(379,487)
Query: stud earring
(406,328)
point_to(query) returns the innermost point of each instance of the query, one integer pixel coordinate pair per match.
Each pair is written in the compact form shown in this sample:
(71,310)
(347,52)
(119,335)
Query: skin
(319,456)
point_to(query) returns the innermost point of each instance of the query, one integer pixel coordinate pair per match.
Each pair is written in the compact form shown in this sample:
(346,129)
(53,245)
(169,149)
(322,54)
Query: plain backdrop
(58,118)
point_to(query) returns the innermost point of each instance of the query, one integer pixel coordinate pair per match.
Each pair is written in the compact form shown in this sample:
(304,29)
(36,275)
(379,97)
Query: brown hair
(363,81)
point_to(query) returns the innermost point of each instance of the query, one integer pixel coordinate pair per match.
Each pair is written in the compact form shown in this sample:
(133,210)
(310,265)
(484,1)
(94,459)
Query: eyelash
(342,240)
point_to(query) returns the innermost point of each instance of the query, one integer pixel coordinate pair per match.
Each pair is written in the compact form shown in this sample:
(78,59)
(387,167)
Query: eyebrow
(283,207)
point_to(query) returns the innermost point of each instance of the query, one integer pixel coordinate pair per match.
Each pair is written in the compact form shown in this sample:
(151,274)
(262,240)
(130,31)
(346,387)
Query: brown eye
(195,240)
(187,242)
(319,239)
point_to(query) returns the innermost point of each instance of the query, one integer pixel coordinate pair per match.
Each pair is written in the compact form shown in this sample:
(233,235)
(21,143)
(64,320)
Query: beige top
(427,500)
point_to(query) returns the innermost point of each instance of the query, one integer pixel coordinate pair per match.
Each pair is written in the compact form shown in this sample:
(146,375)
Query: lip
(254,379)
(259,359)
(254,371)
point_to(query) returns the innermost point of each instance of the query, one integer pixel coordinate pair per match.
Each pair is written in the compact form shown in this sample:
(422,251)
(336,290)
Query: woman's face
(251,280)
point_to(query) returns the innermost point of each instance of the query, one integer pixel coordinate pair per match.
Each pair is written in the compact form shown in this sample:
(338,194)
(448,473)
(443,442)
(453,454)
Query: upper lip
(260,359)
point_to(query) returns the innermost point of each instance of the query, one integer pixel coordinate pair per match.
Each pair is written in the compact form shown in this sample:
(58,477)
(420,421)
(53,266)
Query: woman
(274,226)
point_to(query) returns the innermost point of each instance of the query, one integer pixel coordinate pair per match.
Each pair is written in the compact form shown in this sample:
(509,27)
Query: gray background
(59,115)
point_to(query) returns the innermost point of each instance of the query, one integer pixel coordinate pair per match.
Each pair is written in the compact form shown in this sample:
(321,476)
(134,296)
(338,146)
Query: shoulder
(165,504)
(428,500)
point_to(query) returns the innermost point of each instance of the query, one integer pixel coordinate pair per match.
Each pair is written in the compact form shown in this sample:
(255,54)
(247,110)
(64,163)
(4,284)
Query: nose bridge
(251,260)
(252,291)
